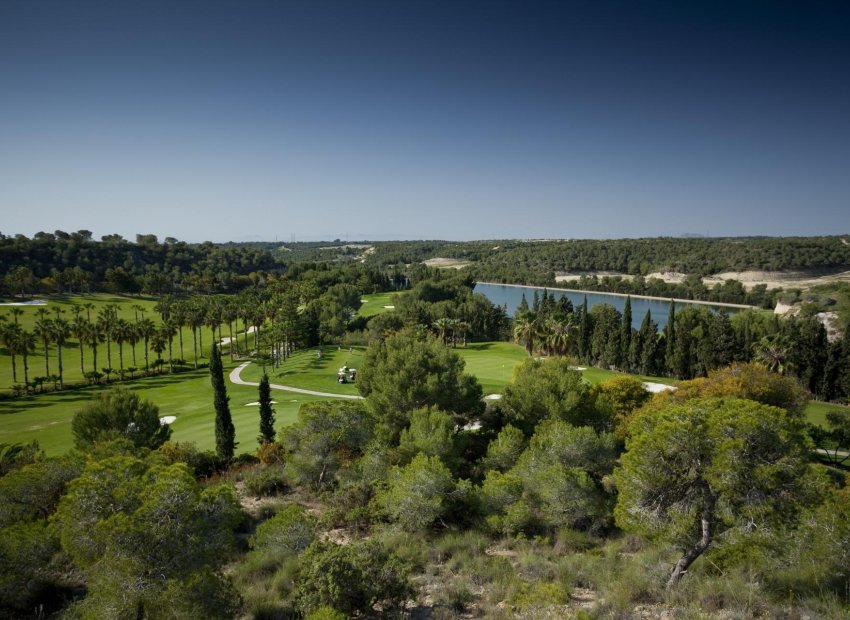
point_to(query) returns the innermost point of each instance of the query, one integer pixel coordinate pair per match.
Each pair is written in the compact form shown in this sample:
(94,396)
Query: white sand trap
(257,403)
(579,368)
(32,302)
(493,397)
(364,301)
(657,387)
(390,307)
(169,419)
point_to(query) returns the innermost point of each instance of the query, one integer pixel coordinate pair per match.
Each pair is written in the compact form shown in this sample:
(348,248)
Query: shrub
(266,481)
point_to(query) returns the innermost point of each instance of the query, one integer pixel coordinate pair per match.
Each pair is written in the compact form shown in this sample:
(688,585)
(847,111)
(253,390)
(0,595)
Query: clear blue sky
(441,119)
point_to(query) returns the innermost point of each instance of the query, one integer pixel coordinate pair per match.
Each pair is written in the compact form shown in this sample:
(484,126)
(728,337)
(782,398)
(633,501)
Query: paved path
(237,379)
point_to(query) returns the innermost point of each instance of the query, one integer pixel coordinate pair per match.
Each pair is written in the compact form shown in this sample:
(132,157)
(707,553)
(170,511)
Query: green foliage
(225,432)
(327,435)
(556,482)
(351,578)
(266,481)
(504,450)
(16,455)
(415,496)
(122,521)
(411,370)
(118,414)
(324,613)
(32,492)
(431,432)
(549,389)
(711,467)
(26,551)
(267,433)
(616,400)
(289,531)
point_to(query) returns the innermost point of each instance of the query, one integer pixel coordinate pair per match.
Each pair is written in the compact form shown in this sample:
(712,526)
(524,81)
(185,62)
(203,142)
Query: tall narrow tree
(626,334)
(266,412)
(225,433)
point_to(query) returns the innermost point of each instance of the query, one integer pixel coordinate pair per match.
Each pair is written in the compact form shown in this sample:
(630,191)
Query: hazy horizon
(329,119)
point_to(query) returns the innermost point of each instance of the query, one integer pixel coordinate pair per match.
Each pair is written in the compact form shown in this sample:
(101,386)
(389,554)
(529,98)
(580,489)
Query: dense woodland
(425,500)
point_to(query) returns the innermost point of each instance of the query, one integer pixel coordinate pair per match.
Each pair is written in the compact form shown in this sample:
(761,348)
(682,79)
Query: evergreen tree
(626,335)
(584,333)
(535,304)
(225,433)
(670,339)
(266,412)
(523,306)
(649,345)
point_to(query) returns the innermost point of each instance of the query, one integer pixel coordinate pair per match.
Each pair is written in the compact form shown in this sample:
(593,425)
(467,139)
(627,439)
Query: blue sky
(211,120)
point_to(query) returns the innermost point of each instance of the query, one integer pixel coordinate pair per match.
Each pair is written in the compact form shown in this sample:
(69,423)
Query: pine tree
(266,412)
(225,433)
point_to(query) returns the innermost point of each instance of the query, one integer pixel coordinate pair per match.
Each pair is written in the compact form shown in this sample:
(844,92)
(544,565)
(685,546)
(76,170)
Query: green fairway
(492,363)
(376,304)
(187,396)
(816,411)
(306,371)
(129,308)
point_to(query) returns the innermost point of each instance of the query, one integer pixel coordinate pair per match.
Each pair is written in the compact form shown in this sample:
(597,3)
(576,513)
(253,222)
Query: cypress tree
(266,412)
(225,433)
(649,345)
(670,339)
(626,333)
(584,333)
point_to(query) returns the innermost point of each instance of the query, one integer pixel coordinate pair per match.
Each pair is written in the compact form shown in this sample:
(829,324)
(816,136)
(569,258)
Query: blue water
(506,294)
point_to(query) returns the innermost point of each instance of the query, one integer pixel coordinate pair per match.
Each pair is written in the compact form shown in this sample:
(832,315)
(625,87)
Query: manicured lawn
(816,411)
(600,375)
(305,370)
(188,396)
(492,362)
(376,304)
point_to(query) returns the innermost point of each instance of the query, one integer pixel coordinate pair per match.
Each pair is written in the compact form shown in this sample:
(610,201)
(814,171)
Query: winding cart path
(235,377)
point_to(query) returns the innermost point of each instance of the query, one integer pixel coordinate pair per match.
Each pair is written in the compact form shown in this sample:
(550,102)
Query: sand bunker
(657,387)
(390,307)
(257,403)
(32,302)
(169,419)
(493,397)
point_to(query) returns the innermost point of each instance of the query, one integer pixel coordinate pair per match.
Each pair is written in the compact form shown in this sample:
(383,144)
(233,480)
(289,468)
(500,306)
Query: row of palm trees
(91,329)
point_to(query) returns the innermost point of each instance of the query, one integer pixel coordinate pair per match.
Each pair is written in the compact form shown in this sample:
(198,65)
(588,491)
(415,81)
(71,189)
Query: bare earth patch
(446,263)
(566,276)
(780,279)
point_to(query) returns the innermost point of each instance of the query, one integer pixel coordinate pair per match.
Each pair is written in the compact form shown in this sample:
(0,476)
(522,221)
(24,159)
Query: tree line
(694,342)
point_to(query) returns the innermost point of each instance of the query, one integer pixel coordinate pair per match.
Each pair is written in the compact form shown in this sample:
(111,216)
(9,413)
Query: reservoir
(510,295)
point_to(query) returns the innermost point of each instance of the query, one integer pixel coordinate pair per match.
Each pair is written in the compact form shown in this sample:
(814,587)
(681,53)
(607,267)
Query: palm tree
(167,329)
(93,337)
(9,334)
(772,351)
(80,328)
(560,332)
(25,344)
(16,312)
(525,330)
(132,336)
(158,339)
(122,332)
(61,331)
(442,325)
(107,320)
(178,320)
(230,314)
(146,330)
(195,319)
(44,329)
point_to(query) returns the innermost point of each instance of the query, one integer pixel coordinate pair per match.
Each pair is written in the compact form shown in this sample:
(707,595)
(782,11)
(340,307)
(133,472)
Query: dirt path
(235,377)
